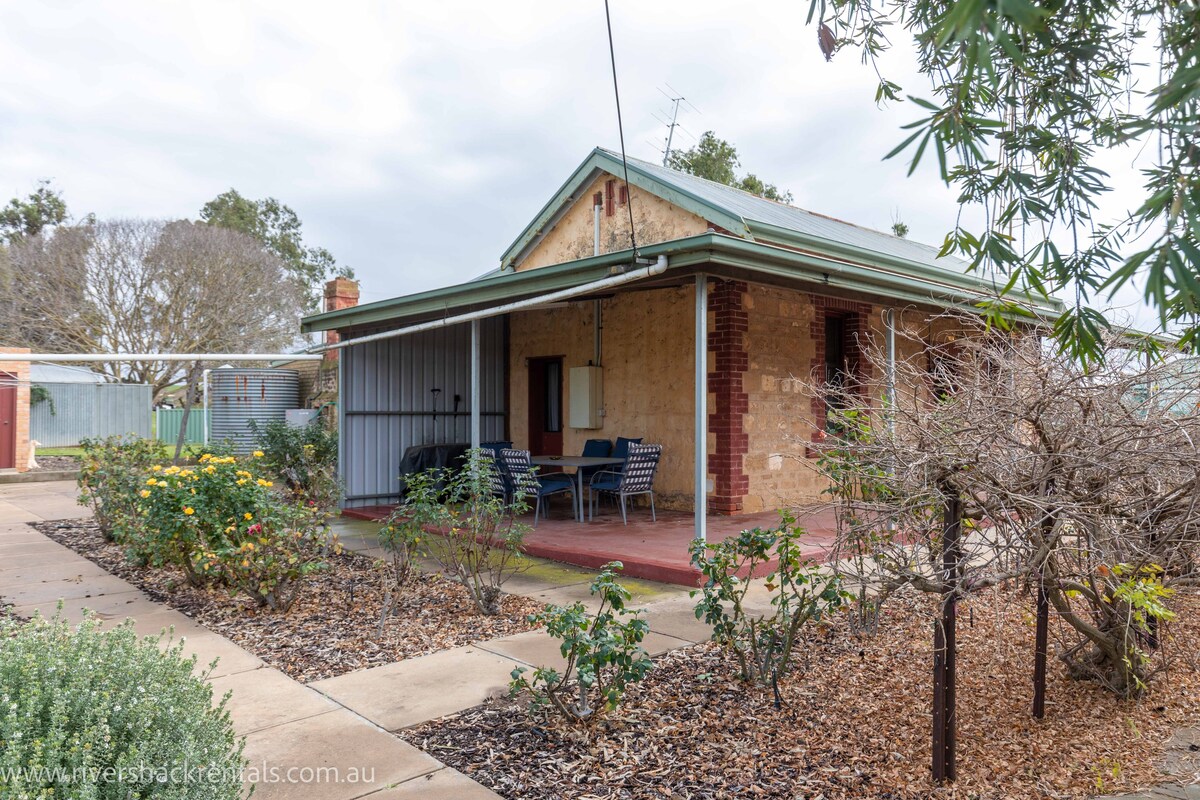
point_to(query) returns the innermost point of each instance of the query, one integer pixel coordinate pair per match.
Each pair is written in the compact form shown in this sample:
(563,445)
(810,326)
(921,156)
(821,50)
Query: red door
(545,406)
(8,421)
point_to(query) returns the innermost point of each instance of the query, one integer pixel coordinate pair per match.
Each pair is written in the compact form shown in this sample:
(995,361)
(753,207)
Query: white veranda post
(475,393)
(701,497)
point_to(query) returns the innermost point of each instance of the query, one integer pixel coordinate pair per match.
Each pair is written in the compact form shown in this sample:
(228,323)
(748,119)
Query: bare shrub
(1078,482)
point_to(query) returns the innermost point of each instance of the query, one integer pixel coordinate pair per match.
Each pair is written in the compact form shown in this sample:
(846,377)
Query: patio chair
(595,448)
(528,484)
(495,476)
(636,478)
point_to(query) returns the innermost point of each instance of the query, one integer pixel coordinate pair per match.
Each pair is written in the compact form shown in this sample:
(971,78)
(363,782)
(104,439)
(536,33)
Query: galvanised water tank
(238,396)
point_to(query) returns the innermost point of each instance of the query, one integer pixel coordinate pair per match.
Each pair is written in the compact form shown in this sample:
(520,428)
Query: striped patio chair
(635,479)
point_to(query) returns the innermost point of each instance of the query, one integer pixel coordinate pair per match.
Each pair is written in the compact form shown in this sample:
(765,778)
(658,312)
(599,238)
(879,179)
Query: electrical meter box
(587,397)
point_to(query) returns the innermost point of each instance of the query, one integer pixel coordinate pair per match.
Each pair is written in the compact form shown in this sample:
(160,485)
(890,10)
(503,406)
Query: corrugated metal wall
(388,402)
(168,420)
(91,410)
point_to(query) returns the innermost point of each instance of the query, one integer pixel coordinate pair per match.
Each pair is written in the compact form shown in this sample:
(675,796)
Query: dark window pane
(553,415)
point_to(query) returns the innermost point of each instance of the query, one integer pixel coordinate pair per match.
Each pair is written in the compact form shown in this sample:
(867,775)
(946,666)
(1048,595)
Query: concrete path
(299,742)
(331,740)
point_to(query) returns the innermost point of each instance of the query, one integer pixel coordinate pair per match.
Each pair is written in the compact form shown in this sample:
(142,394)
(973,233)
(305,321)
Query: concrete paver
(289,759)
(445,784)
(406,693)
(263,698)
(72,588)
(41,572)
(537,649)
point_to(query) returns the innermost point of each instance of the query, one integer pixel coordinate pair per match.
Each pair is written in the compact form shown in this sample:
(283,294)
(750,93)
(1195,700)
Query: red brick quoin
(727,342)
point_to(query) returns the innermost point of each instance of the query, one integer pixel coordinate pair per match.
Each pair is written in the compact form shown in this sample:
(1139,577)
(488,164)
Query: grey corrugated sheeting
(91,410)
(759,209)
(388,404)
(239,396)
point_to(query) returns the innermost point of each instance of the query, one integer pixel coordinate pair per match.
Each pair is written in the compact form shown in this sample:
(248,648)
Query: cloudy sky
(415,140)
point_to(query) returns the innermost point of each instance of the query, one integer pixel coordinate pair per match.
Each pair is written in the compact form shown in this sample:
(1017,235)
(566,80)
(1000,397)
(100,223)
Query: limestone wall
(648,365)
(573,236)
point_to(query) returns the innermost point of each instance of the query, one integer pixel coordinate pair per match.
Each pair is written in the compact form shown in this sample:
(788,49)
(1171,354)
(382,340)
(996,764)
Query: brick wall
(728,361)
(20,371)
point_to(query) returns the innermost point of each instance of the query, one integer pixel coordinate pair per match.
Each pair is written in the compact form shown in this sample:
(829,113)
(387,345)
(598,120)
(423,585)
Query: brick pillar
(727,344)
(339,293)
(19,370)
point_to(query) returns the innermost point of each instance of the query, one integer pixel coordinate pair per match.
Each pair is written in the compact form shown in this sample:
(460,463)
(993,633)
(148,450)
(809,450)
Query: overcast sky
(415,140)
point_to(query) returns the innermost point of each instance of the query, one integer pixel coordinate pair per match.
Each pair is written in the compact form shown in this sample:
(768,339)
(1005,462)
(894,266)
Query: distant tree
(149,286)
(717,160)
(277,227)
(43,208)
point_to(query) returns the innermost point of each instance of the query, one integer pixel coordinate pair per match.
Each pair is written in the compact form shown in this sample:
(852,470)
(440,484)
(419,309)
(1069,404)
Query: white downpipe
(476,417)
(84,358)
(701,459)
(657,268)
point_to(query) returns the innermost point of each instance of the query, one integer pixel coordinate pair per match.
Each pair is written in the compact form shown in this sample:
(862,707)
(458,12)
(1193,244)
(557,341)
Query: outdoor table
(579,463)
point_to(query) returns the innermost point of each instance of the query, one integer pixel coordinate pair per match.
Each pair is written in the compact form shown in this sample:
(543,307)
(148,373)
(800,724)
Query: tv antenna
(676,99)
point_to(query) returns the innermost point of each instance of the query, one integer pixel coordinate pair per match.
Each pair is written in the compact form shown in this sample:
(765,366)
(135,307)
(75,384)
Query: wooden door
(546,406)
(8,421)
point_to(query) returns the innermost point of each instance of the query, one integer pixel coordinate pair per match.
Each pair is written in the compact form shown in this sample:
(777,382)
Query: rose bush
(222,522)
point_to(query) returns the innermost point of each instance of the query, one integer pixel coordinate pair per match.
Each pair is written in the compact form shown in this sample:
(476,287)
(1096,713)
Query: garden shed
(706,339)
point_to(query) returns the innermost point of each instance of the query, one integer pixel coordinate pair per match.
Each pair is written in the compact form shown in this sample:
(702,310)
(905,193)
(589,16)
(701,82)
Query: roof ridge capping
(739,212)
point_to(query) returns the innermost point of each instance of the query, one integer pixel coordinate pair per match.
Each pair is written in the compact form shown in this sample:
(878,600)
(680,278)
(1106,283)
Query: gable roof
(741,213)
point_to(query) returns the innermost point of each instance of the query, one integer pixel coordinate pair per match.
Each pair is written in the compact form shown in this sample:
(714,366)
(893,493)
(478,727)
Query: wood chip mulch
(333,628)
(855,722)
(56,464)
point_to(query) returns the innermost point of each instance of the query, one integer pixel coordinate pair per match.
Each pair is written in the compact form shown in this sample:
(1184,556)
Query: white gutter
(657,268)
(92,357)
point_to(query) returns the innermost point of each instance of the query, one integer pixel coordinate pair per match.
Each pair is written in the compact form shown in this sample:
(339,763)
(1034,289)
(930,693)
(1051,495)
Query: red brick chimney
(339,293)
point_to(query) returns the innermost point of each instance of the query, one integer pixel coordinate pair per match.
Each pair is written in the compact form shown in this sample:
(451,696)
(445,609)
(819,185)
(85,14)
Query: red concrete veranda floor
(656,551)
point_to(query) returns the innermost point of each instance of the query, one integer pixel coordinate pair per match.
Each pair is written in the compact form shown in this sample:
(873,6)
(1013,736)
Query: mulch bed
(56,464)
(855,723)
(333,628)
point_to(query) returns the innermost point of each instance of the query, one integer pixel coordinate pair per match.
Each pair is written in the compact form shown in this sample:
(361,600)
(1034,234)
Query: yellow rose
(151,482)
(189,510)
(144,492)
(258,453)
(248,516)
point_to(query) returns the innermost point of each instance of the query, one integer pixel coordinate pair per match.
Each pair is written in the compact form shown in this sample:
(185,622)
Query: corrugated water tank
(238,396)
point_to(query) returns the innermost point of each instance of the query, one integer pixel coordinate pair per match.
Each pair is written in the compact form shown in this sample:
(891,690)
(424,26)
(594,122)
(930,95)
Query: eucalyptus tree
(1024,99)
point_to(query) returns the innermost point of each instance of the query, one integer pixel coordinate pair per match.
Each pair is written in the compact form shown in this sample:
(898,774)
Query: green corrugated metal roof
(768,237)
(892,278)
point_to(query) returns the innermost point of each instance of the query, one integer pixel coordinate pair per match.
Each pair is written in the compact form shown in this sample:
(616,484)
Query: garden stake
(944,642)
(1039,654)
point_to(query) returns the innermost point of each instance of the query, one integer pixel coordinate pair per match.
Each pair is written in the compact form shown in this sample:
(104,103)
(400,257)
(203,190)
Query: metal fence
(76,411)
(168,420)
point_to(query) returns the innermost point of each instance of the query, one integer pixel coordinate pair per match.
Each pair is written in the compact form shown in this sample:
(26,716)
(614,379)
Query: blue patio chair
(621,450)
(529,485)
(595,448)
(635,479)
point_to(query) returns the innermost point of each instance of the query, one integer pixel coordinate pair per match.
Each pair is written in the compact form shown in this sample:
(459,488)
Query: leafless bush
(1079,481)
